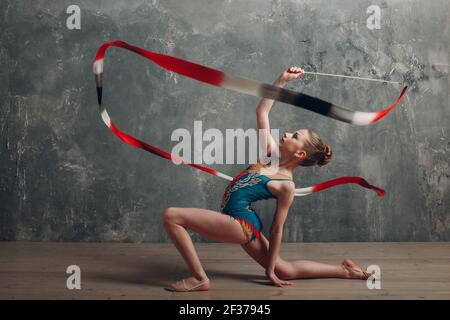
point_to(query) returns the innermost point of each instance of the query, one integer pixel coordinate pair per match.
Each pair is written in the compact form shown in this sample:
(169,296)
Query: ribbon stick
(350,77)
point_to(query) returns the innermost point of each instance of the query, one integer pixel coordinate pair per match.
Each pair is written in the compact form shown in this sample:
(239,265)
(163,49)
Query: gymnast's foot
(354,271)
(189,284)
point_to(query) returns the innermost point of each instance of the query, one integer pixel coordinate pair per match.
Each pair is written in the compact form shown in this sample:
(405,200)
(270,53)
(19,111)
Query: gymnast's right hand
(277,281)
(290,74)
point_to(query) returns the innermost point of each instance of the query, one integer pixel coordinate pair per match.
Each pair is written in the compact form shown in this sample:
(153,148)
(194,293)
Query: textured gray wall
(66,177)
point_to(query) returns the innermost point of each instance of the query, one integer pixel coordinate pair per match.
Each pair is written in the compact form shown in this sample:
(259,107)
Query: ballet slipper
(181,286)
(349,264)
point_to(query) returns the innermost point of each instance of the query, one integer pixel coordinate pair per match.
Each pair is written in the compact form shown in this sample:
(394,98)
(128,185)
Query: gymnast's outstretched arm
(264,106)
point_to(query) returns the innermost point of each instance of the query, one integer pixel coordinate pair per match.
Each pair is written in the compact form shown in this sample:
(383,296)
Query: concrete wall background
(66,177)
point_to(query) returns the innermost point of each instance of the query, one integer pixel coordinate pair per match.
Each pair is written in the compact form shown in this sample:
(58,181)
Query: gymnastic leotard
(246,188)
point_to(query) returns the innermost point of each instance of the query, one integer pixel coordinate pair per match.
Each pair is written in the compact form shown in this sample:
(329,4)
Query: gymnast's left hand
(277,281)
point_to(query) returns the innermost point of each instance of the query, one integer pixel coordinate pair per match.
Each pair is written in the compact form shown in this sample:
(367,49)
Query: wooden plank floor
(140,271)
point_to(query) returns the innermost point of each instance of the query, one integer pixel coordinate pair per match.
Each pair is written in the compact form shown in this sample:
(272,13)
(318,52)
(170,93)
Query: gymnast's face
(292,144)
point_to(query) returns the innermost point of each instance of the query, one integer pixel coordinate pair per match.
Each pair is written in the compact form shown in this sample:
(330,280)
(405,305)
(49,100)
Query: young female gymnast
(300,148)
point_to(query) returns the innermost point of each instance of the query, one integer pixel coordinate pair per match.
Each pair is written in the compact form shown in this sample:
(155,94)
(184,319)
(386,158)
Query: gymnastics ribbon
(236,83)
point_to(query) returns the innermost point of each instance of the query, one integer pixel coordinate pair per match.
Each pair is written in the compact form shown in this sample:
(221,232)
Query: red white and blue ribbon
(243,85)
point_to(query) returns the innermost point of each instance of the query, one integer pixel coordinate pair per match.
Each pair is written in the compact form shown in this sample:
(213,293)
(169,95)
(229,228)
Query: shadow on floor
(161,273)
(253,278)
(147,273)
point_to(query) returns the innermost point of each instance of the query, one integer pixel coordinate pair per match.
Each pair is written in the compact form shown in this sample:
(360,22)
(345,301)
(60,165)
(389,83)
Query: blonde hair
(318,153)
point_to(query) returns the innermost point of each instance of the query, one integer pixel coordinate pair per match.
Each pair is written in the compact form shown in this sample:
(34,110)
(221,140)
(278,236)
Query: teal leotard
(246,188)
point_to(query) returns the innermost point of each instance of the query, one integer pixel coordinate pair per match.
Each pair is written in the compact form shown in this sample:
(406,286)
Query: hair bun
(325,156)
